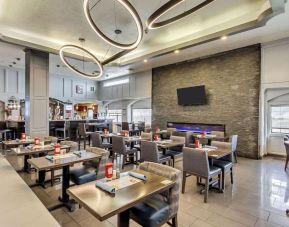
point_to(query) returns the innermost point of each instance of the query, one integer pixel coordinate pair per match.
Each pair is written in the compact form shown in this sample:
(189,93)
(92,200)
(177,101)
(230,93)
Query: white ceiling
(54,23)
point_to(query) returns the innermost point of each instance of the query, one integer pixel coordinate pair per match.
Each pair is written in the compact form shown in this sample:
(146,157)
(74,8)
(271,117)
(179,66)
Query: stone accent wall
(232,81)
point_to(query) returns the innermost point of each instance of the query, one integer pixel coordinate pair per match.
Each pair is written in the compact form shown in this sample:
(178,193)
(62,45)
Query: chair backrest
(73,145)
(118,144)
(195,161)
(82,129)
(146,136)
(95,139)
(99,165)
(234,141)
(172,174)
(178,139)
(287,147)
(286,138)
(218,134)
(170,131)
(141,125)
(224,146)
(186,135)
(148,151)
(53,139)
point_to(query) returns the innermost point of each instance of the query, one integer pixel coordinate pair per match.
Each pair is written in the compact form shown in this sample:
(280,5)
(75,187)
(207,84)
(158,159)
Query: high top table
(19,205)
(42,164)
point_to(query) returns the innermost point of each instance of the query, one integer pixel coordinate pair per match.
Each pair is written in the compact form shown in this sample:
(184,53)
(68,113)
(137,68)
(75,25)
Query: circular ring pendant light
(63,59)
(152,24)
(126,4)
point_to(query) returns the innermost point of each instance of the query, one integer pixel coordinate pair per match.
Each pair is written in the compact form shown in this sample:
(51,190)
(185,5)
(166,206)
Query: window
(142,115)
(280,119)
(115,82)
(116,115)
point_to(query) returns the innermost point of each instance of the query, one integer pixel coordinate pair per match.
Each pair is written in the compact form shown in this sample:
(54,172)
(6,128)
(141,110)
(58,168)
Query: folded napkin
(138,175)
(105,187)
(78,153)
(49,157)
(212,147)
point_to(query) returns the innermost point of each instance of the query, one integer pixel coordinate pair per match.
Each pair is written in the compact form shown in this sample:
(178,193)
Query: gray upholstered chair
(159,209)
(196,163)
(148,136)
(149,152)
(286,138)
(225,163)
(234,141)
(177,151)
(286,143)
(51,139)
(119,147)
(91,170)
(83,135)
(187,135)
(168,134)
(96,141)
(220,135)
(63,132)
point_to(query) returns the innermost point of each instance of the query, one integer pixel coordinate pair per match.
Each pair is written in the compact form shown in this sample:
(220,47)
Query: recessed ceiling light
(106,75)
(177,51)
(18,59)
(57,66)
(14,63)
(10,66)
(145,60)
(224,37)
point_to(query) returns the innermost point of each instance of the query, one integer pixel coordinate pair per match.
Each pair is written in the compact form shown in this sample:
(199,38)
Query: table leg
(26,164)
(123,219)
(65,184)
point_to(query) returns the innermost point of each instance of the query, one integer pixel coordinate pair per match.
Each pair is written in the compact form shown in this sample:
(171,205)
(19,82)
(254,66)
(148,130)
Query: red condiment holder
(156,137)
(197,143)
(36,141)
(108,170)
(57,149)
(23,136)
(204,133)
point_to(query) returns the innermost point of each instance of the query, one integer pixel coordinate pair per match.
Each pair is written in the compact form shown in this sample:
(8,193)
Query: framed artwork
(79,89)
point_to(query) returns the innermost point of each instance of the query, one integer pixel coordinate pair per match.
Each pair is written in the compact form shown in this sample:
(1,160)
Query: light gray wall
(139,86)
(64,88)
(12,83)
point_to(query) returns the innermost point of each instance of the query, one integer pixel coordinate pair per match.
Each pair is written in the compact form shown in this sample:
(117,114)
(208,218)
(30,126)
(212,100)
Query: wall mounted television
(191,96)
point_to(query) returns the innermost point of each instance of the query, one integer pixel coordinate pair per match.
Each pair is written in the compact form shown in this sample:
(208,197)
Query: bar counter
(72,126)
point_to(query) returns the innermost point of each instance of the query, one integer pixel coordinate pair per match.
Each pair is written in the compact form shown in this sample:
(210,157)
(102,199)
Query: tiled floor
(258,198)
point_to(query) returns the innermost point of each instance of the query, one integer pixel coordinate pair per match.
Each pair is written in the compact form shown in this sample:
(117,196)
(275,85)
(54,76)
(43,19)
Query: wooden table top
(103,205)
(22,142)
(218,153)
(29,151)
(207,136)
(167,144)
(43,164)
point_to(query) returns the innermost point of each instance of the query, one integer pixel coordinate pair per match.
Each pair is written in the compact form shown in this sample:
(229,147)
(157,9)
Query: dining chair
(286,138)
(73,147)
(176,151)
(234,141)
(196,163)
(148,136)
(220,135)
(162,208)
(119,147)
(83,135)
(63,132)
(168,134)
(91,170)
(96,141)
(149,152)
(286,144)
(225,163)
(187,135)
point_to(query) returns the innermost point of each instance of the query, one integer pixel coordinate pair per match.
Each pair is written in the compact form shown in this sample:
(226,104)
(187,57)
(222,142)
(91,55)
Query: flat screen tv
(191,96)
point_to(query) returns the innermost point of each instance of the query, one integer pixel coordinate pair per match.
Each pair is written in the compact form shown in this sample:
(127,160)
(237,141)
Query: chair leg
(286,163)
(173,162)
(206,190)
(235,155)
(221,182)
(184,181)
(223,179)
(175,221)
(52,178)
(232,175)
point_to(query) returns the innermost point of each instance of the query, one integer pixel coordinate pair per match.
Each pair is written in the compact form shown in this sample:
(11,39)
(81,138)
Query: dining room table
(28,151)
(164,145)
(104,205)
(14,143)
(43,164)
